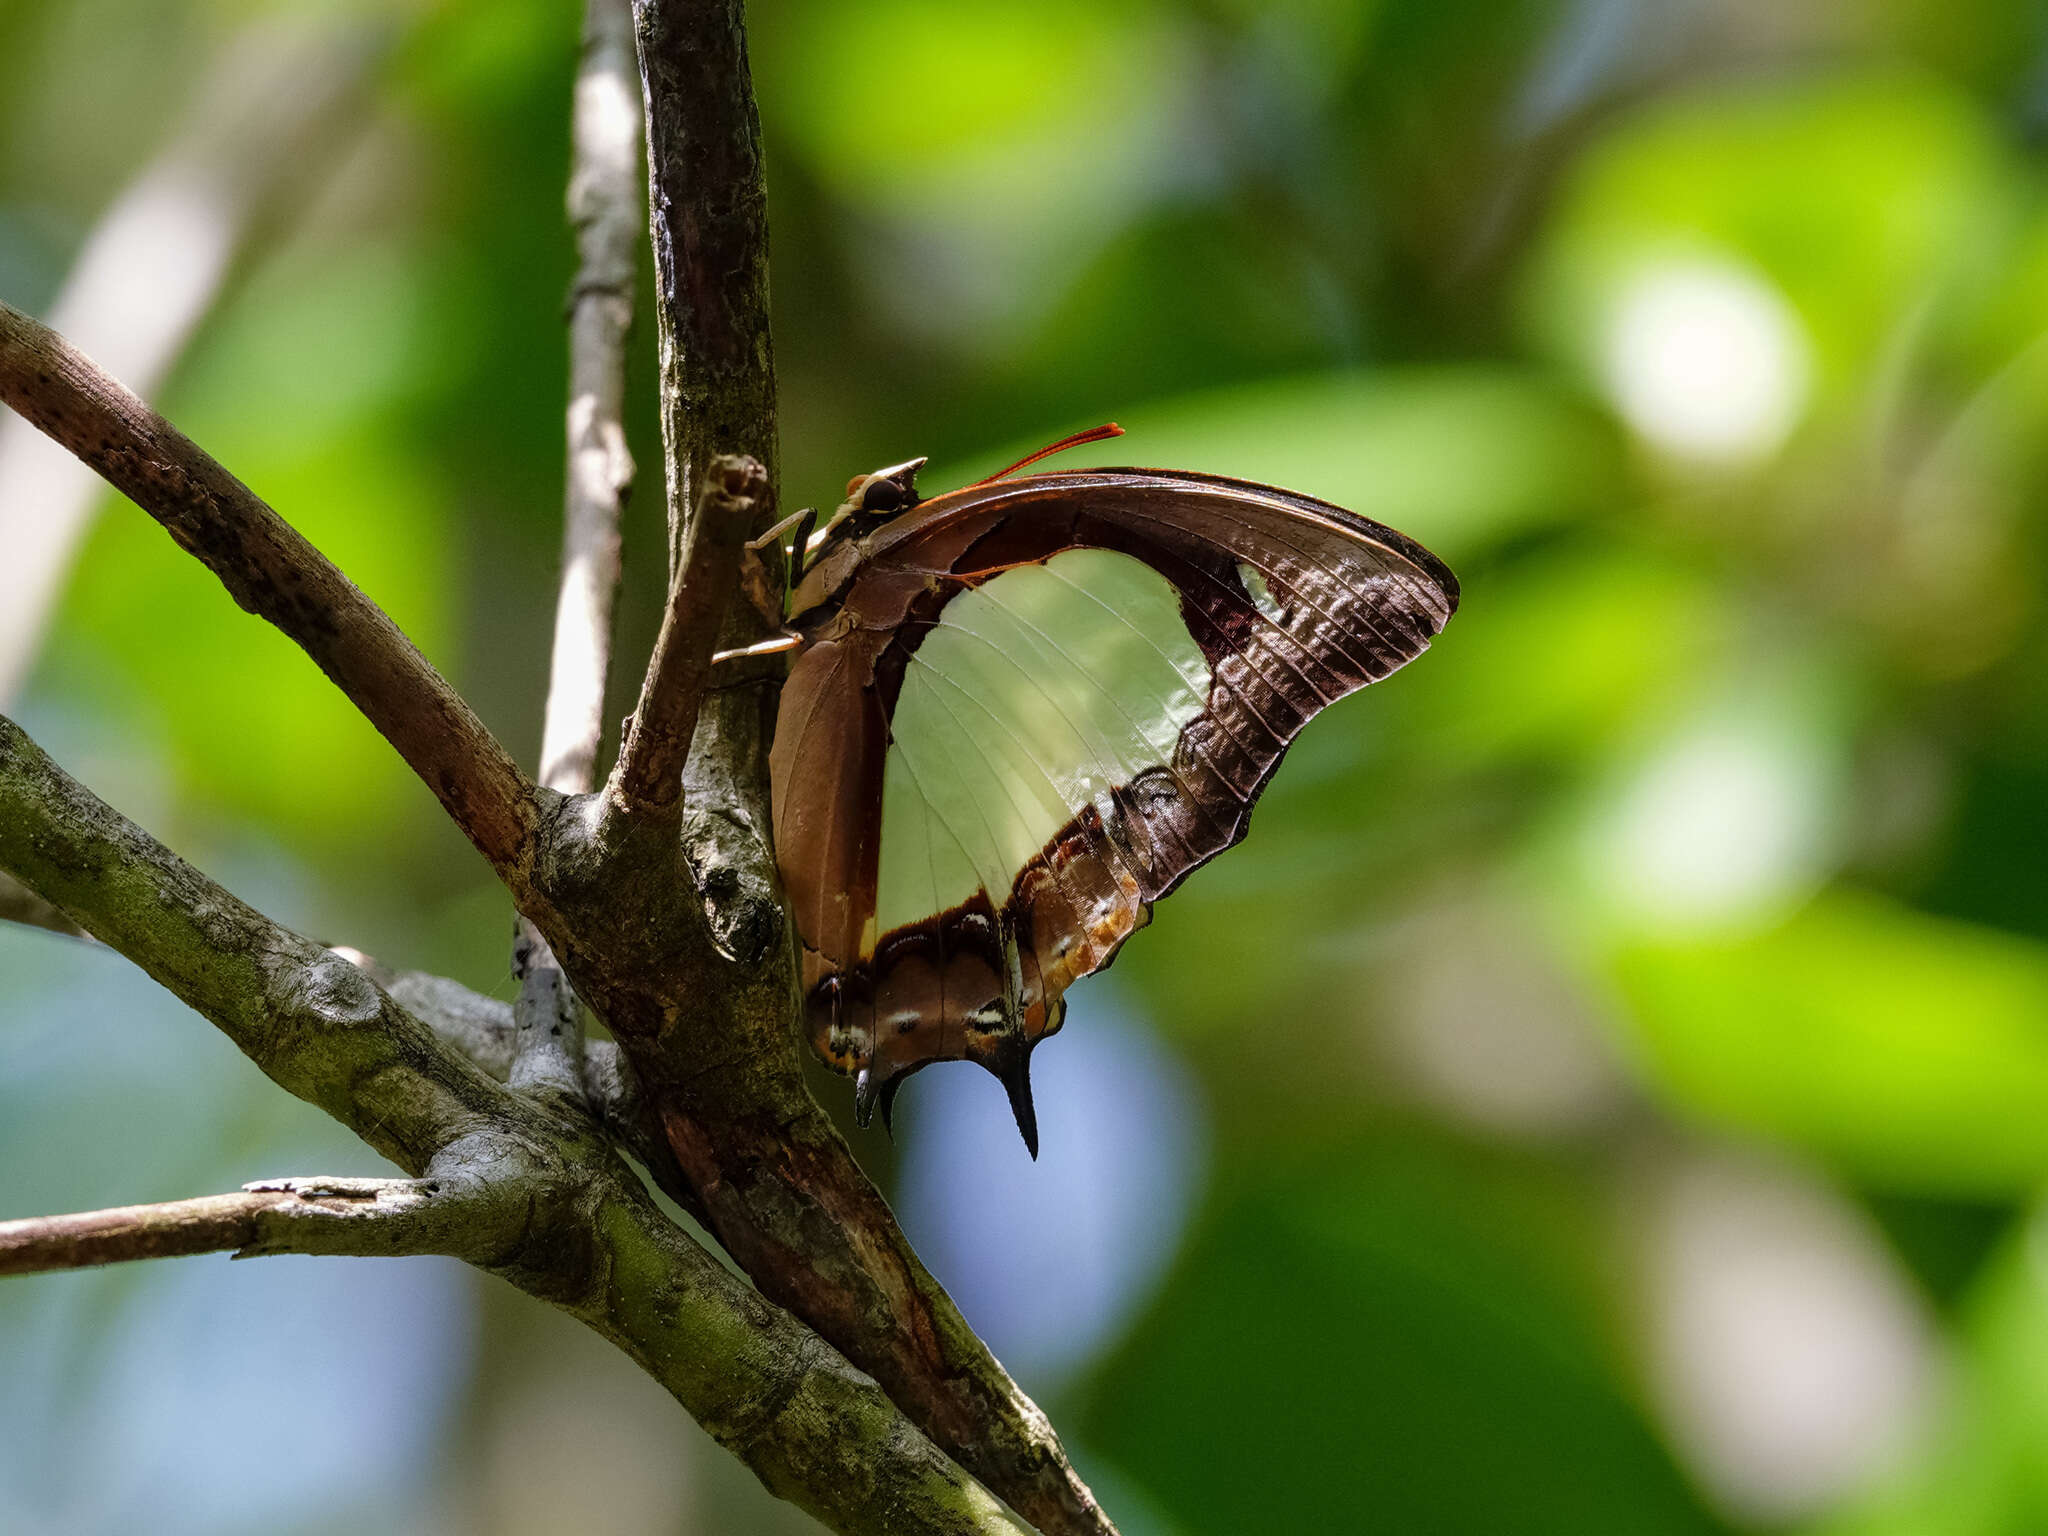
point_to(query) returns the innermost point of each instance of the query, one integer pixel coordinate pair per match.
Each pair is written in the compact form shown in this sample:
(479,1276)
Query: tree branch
(313,1022)
(605,210)
(815,1430)
(480,1027)
(648,777)
(709,210)
(547,1054)
(485,1030)
(531,1194)
(273,572)
(669,927)
(700,987)
(465,1219)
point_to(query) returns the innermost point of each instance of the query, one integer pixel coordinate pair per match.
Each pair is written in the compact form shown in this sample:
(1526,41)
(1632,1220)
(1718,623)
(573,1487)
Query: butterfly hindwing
(1036,708)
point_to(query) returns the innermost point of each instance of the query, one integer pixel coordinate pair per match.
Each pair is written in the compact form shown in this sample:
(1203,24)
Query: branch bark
(486,1031)
(273,572)
(468,1219)
(19,904)
(709,211)
(526,1190)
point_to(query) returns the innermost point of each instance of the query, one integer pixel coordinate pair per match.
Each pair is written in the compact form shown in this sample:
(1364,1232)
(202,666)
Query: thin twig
(605,182)
(604,204)
(271,570)
(363,1217)
(649,773)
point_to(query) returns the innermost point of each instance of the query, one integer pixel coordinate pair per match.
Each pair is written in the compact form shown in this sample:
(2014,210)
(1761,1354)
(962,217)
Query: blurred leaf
(1725,815)
(254,726)
(1987,1473)
(1559,655)
(1860,196)
(320,342)
(1381,1346)
(1946,1243)
(301,391)
(1909,1050)
(1996,847)
(1186,296)
(1460,458)
(895,98)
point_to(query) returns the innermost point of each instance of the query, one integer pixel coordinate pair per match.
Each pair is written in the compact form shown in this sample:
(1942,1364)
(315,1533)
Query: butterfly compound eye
(881,495)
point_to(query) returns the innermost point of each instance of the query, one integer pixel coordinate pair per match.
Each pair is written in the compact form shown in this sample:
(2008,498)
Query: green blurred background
(1608,1092)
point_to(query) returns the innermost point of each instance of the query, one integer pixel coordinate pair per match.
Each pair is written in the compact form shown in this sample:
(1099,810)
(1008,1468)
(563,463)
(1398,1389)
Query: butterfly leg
(774,645)
(768,589)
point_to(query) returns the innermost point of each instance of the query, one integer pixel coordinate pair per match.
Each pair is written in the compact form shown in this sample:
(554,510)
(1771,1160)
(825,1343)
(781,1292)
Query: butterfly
(1024,711)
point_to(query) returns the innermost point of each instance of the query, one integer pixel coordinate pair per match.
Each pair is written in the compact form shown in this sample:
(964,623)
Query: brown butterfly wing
(825,768)
(1293,602)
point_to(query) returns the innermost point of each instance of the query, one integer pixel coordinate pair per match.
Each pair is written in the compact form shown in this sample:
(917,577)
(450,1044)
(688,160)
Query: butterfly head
(833,555)
(871,499)
(883,493)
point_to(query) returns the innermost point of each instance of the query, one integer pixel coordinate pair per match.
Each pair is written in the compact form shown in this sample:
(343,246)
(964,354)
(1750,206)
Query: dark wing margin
(1294,603)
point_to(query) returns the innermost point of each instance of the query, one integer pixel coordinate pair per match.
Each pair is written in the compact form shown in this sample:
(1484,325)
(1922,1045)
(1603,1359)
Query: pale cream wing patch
(1034,695)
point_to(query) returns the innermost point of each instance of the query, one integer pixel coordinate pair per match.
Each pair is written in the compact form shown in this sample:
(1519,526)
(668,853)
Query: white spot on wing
(1255,583)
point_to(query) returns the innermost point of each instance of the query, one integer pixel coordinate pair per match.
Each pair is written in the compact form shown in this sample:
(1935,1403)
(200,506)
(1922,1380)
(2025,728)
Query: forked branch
(529,1192)
(706,1009)
(695,978)
(486,1030)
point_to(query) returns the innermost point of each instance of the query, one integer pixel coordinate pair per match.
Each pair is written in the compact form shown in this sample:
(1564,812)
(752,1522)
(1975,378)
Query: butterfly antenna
(1093,435)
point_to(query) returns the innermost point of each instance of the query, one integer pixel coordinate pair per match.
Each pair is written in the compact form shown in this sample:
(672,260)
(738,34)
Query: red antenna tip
(1093,435)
